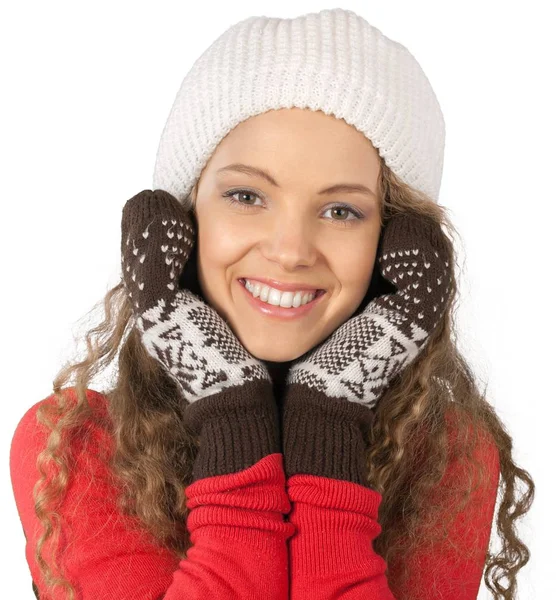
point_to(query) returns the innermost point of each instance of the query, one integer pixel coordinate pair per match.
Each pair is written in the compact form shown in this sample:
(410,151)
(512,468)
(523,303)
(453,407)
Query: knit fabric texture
(333,61)
(235,429)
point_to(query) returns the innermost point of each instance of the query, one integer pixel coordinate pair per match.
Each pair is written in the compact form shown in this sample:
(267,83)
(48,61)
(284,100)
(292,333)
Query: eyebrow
(342,188)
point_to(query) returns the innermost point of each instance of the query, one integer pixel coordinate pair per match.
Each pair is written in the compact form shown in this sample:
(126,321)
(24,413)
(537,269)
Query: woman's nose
(290,243)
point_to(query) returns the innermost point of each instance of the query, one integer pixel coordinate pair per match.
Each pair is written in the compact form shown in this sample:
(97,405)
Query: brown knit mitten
(231,404)
(331,389)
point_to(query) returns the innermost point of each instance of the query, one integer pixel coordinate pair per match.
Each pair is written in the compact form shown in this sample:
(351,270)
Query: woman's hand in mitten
(184,334)
(332,387)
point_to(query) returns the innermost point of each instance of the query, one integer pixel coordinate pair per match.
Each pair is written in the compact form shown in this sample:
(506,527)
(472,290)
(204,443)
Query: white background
(86,89)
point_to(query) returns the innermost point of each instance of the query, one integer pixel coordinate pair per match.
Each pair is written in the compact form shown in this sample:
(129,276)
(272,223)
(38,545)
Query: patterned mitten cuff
(235,428)
(324,436)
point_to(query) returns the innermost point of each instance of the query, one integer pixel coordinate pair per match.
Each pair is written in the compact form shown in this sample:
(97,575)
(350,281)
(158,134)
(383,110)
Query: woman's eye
(346,209)
(230,196)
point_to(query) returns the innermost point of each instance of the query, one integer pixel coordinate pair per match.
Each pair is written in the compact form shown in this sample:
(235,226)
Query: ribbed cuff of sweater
(235,428)
(324,436)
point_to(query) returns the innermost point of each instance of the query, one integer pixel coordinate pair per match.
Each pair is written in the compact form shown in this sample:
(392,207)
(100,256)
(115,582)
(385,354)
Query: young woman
(291,415)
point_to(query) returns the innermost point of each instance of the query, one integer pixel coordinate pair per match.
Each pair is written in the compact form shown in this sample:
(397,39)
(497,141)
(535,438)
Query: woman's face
(288,231)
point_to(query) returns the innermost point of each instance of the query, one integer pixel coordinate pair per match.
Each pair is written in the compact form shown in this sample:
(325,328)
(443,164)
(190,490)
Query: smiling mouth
(316,293)
(269,308)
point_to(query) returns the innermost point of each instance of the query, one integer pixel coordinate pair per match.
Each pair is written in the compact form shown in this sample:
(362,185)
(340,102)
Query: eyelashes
(229,197)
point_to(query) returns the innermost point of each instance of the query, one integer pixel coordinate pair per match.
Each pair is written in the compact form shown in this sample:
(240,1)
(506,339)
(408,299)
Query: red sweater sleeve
(331,553)
(236,525)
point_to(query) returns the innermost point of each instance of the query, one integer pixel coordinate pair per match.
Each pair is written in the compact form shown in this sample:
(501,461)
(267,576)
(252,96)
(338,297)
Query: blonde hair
(409,443)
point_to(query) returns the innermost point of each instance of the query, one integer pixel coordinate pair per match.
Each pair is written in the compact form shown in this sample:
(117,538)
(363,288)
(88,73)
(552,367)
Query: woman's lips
(280,312)
(284,287)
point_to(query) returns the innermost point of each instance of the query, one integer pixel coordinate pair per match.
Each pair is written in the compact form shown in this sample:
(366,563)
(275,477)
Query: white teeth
(277,297)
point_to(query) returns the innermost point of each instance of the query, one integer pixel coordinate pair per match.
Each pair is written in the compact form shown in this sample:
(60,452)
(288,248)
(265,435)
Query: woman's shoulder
(31,433)
(29,426)
(88,444)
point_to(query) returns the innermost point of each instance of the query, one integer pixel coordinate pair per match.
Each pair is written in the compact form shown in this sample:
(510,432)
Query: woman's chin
(279,350)
(275,355)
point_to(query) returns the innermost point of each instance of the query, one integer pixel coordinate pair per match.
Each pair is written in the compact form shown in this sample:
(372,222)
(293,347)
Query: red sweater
(245,545)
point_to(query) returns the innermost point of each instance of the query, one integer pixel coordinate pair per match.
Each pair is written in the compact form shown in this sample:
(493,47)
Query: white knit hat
(333,61)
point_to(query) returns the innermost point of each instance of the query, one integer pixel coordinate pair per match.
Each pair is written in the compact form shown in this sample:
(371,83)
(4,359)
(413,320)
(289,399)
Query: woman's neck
(278,370)
(278,373)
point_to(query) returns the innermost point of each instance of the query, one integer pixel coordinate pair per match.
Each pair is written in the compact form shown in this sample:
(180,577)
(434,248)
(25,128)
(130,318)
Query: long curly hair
(409,445)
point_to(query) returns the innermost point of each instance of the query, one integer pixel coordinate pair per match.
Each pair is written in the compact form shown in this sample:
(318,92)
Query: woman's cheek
(214,246)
